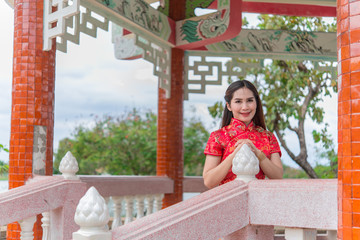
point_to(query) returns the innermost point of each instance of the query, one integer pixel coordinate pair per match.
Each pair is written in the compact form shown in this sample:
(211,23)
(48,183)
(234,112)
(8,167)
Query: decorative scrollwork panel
(70,18)
(161,58)
(85,22)
(55,14)
(211,72)
(202,70)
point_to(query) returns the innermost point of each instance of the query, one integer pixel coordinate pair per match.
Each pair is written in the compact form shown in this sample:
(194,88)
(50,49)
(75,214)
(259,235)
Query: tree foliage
(4,167)
(291,92)
(127,146)
(195,139)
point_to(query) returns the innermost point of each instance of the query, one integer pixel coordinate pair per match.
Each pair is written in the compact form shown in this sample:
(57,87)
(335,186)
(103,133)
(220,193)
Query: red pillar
(170,156)
(348,36)
(32,113)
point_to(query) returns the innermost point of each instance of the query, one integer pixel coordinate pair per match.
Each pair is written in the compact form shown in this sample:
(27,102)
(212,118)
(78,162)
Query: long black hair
(258,119)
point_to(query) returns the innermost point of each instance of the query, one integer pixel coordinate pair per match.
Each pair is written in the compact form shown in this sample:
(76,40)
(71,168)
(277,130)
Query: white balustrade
(107,199)
(27,226)
(150,204)
(46,226)
(129,206)
(158,202)
(117,206)
(92,215)
(245,164)
(69,167)
(140,206)
(300,234)
(144,205)
(331,235)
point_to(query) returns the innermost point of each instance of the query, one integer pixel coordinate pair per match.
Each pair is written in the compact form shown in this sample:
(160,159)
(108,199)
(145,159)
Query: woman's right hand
(238,145)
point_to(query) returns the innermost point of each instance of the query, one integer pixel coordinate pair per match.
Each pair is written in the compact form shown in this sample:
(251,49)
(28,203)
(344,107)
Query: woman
(242,123)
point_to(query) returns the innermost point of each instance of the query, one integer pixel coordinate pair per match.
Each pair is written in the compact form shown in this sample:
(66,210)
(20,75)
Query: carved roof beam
(148,22)
(305,8)
(285,44)
(330,3)
(289,9)
(221,58)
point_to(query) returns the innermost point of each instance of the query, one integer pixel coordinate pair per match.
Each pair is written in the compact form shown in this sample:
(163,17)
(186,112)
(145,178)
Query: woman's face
(243,105)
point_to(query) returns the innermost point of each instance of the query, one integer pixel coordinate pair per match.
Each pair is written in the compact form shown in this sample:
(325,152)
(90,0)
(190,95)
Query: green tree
(195,139)
(292,90)
(4,168)
(127,146)
(2,148)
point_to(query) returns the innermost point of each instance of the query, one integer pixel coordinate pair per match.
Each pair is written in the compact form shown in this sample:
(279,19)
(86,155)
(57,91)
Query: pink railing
(109,186)
(55,195)
(302,203)
(209,214)
(233,211)
(57,198)
(244,211)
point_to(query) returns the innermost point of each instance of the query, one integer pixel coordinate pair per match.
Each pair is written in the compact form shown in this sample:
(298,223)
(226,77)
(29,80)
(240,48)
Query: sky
(91,82)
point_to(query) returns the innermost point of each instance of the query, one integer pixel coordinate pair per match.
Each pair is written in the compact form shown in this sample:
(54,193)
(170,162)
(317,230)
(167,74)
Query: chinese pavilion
(168,37)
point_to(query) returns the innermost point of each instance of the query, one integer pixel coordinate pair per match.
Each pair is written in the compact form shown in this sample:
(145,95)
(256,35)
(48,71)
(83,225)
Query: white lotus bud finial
(245,164)
(69,167)
(92,215)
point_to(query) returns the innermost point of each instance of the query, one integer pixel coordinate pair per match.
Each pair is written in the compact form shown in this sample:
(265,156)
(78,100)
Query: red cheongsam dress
(222,143)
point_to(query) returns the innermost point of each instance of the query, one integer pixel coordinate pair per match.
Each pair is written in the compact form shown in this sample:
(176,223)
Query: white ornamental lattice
(84,22)
(160,57)
(211,72)
(74,20)
(55,14)
(70,19)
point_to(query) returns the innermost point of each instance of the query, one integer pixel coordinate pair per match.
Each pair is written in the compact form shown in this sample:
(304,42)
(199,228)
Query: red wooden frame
(289,9)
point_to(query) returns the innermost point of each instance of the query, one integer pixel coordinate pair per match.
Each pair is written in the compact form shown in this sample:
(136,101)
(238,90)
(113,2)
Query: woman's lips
(245,114)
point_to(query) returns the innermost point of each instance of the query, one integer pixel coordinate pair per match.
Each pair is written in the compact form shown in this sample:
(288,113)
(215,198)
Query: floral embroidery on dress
(222,143)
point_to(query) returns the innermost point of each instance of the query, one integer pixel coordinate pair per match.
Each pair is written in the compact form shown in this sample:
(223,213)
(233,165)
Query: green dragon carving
(189,30)
(205,28)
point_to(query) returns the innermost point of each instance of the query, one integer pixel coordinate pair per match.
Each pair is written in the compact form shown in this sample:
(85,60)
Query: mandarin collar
(240,125)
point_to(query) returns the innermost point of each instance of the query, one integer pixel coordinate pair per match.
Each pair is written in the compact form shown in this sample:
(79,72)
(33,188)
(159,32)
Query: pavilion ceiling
(150,33)
(217,32)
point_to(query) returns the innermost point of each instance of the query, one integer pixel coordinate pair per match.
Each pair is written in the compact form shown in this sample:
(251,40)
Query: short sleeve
(274,145)
(213,146)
